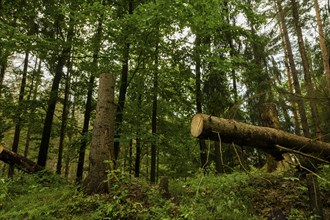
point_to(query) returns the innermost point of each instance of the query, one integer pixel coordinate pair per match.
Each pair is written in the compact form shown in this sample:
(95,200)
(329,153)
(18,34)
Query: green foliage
(205,196)
(213,197)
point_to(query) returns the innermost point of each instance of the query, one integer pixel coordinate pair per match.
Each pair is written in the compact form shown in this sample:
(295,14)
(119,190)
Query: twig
(300,153)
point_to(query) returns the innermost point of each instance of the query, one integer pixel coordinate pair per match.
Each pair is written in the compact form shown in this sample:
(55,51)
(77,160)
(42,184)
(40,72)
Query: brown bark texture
(306,67)
(101,155)
(20,162)
(293,69)
(230,131)
(323,46)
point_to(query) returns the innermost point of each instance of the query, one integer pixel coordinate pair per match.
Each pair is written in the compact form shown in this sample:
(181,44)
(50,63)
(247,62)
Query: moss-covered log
(231,131)
(18,161)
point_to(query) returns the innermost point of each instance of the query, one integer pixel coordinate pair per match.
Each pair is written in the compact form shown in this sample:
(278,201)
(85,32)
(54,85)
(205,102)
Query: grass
(230,196)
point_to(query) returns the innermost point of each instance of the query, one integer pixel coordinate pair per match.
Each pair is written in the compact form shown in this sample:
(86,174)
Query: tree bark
(293,104)
(323,46)
(138,144)
(44,145)
(154,120)
(20,162)
(20,111)
(88,105)
(202,144)
(34,92)
(293,69)
(63,122)
(306,67)
(3,67)
(102,156)
(123,89)
(230,131)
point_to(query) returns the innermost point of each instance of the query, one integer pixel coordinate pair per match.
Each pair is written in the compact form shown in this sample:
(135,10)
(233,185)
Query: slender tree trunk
(122,90)
(3,67)
(202,144)
(137,156)
(287,67)
(20,111)
(102,149)
(63,122)
(138,143)
(293,69)
(154,120)
(88,105)
(70,135)
(306,67)
(34,87)
(323,46)
(44,145)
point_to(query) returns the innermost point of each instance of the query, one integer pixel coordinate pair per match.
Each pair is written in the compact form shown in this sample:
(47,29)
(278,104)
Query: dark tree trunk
(53,97)
(122,90)
(34,87)
(130,158)
(154,121)
(87,115)
(43,150)
(3,67)
(138,144)
(20,111)
(219,168)
(137,157)
(20,162)
(63,122)
(88,106)
(293,69)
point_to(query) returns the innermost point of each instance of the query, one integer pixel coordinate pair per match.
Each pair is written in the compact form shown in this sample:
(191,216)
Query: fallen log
(18,161)
(230,131)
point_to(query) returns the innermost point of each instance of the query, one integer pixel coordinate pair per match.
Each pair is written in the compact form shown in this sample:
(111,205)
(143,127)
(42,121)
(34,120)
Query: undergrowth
(253,195)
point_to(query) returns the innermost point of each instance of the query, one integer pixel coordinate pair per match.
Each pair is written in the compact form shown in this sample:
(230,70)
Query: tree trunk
(44,145)
(230,131)
(293,69)
(137,157)
(20,111)
(287,67)
(306,67)
(63,122)
(3,67)
(101,155)
(122,90)
(34,88)
(323,46)
(20,162)
(88,105)
(202,144)
(154,120)
(138,143)
(87,115)
(269,117)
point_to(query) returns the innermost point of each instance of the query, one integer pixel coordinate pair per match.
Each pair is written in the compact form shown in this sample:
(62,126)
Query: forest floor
(253,195)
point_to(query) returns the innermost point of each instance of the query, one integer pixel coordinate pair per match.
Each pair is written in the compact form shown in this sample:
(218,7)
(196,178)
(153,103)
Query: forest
(156,109)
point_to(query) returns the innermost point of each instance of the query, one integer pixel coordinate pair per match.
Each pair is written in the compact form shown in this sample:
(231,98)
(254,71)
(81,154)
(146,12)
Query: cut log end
(197,125)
